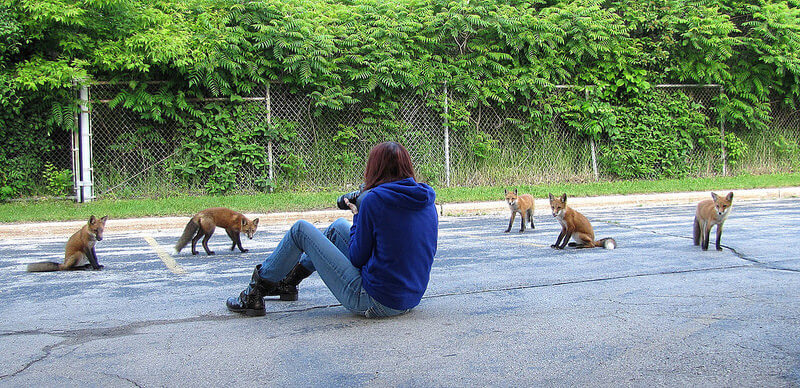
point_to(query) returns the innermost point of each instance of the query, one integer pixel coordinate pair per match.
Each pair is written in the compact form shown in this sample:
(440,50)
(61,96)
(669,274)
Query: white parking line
(171,264)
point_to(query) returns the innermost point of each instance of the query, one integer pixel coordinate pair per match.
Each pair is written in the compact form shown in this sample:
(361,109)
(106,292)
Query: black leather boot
(251,301)
(287,288)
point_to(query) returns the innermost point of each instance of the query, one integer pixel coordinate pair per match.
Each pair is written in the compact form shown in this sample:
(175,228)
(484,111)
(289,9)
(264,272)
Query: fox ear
(564,198)
(551,196)
(244,221)
(714,196)
(505,191)
(730,196)
(104,219)
(515,191)
(255,222)
(92,219)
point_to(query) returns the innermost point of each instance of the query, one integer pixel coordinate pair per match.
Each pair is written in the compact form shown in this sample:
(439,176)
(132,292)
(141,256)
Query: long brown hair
(387,162)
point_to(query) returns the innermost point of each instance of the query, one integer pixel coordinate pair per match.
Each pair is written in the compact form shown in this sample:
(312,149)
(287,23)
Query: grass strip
(64,210)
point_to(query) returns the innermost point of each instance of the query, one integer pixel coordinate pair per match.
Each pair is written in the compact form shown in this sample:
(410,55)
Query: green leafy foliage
(482,145)
(59,181)
(787,150)
(735,149)
(25,150)
(655,139)
(222,142)
(592,117)
(499,53)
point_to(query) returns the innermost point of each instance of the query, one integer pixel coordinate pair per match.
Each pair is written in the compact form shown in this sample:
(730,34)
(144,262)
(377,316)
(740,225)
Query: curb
(542,205)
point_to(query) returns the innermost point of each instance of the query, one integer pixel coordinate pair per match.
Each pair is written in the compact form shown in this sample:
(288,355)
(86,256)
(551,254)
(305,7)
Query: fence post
(591,144)
(722,133)
(83,170)
(269,143)
(446,140)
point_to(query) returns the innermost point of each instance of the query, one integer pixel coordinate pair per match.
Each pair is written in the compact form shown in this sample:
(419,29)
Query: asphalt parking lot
(501,309)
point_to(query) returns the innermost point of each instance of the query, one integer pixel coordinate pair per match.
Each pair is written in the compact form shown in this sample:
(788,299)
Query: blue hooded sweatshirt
(393,241)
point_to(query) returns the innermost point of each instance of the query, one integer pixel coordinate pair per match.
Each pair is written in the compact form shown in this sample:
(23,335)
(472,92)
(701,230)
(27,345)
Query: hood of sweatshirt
(405,194)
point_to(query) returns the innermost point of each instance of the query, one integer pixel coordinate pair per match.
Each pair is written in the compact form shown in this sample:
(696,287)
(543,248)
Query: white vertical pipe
(86,176)
(76,157)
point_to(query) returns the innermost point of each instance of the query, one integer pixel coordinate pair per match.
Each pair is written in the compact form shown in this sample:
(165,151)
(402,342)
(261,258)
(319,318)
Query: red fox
(522,204)
(204,223)
(709,213)
(575,225)
(79,253)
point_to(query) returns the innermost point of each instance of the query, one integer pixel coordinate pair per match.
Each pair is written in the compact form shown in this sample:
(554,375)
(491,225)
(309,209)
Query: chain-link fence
(776,148)
(130,154)
(497,148)
(60,155)
(325,148)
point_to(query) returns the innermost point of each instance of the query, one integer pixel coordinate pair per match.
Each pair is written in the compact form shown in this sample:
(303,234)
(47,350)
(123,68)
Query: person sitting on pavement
(378,267)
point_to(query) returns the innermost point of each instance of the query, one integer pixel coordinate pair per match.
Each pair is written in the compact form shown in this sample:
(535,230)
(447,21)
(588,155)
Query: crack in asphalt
(135,384)
(47,350)
(582,281)
(738,254)
(22,332)
(82,336)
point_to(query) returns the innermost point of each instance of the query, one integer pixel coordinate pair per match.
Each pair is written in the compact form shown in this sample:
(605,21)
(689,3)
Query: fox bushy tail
(188,233)
(44,266)
(607,243)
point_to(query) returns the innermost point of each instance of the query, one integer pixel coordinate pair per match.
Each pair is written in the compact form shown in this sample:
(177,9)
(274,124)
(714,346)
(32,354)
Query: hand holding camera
(353,208)
(351,200)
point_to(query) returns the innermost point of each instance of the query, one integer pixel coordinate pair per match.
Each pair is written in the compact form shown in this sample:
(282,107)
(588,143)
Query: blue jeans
(328,255)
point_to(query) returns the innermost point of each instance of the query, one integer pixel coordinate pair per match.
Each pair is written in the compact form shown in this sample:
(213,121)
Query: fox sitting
(711,212)
(79,253)
(204,223)
(576,226)
(522,204)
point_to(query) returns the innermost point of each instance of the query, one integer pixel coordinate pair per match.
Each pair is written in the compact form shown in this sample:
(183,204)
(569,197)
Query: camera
(354,197)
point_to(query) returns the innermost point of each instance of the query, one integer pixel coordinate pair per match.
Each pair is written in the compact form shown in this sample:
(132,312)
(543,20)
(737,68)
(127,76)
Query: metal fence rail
(133,157)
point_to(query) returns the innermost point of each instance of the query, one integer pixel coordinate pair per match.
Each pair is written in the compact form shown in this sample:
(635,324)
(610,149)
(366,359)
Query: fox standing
(522,204)
(711,212)
(576,226)
(79,253)
(204,223)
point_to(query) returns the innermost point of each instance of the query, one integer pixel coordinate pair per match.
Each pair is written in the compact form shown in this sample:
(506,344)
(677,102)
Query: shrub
(655,138)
